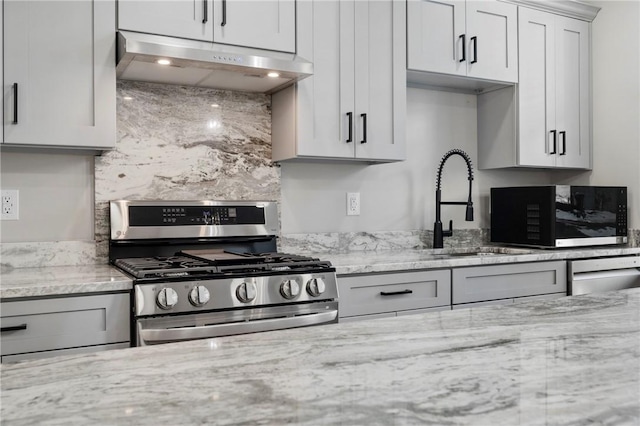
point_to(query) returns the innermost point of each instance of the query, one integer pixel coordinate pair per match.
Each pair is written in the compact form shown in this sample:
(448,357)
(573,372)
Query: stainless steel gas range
(210,268)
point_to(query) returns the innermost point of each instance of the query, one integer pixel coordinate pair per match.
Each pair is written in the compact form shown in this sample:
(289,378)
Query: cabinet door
(380,79)
(59,71)
(310,119)
(175,18)
(572,93)
(263,24)
(492,40)
(434,36)
(484,283)
(69,322)
(536,89)
(392,292)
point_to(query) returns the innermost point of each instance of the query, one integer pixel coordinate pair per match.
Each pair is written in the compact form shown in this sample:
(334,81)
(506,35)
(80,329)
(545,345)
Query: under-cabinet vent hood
(203,64)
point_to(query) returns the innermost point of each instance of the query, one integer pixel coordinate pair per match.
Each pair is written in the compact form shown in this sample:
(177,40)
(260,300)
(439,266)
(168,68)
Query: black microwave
(559,215)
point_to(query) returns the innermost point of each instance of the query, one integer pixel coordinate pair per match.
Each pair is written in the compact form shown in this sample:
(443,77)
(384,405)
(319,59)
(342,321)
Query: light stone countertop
(574,360)
(401,260)
(61,280)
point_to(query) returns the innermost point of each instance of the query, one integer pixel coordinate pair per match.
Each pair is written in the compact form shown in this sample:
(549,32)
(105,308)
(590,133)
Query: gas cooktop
(212,263)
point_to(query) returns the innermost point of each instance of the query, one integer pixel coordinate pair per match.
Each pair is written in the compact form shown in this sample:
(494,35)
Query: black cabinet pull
(564,142)
(395,293)
(474,40)
(350,115)
(364,128)
(205,11)
(15,103)
(553,132)
(14,328)
(464,47)
(224,13)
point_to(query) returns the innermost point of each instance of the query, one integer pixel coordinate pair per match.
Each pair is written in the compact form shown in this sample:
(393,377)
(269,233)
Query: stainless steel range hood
(203,64)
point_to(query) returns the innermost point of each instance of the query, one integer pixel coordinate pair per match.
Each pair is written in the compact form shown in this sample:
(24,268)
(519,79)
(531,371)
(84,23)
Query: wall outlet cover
(353,203)
(9,198)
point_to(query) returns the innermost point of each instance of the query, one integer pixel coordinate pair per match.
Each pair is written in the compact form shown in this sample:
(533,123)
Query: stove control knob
(167,298)
(246,292)
(290,289)
(315,287)
(199,295)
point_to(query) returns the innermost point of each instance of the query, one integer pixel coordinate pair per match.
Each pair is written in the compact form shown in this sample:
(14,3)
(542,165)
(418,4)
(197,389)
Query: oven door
(156,330)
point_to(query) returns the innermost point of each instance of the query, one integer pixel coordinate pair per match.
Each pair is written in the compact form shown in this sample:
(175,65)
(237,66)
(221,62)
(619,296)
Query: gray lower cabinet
(44,327)
(369,296)
(505,284)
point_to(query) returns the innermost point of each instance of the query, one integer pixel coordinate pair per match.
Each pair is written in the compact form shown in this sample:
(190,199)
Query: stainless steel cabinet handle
(13,328)
(15,103)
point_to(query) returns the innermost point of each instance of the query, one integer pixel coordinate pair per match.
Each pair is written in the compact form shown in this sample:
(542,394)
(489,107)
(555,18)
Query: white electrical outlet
(353,203)
(9,199)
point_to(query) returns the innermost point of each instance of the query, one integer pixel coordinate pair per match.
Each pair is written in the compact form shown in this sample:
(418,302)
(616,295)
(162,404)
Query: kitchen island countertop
(574,360)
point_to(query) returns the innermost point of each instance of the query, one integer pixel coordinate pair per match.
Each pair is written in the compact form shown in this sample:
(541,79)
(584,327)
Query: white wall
(56,196)
(616,99)
(400,196)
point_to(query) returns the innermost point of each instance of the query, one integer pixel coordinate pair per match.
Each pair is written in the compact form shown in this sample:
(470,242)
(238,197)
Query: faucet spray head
(469,214)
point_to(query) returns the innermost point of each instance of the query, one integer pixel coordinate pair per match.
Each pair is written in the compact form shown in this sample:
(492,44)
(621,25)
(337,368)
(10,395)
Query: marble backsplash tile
(335,242)
(185,143)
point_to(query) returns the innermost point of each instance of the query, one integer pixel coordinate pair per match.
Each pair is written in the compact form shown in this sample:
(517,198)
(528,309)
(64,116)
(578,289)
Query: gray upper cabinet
(182,19)
(353,107)
(545,120)
(263,24)
(59,74)
(472,39)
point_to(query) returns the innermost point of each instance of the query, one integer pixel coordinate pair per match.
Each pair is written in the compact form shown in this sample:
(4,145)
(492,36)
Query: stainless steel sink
(478,252)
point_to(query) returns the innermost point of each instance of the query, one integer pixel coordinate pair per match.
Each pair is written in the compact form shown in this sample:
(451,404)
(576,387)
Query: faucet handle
(448,232)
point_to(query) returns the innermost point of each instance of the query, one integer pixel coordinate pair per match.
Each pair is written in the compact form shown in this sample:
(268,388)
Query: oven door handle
(164,335)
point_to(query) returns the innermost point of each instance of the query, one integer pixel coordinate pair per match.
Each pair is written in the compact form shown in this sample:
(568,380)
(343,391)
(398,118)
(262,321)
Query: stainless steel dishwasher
(603,274)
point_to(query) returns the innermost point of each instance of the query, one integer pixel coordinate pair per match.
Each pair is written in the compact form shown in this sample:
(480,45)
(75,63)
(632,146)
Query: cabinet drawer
(62,323)
(372,294)
(477,284)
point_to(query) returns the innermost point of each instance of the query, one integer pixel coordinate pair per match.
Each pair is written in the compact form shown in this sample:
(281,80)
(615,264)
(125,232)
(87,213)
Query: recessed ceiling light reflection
(215,106)
(127,98)
(273,74)
(163,62)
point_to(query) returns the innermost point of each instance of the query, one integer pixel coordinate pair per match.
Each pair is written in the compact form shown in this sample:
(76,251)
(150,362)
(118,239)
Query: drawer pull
(14,328)
(395,293)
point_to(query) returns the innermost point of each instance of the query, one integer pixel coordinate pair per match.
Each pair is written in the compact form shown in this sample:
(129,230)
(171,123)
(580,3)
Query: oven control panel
(226,293)
(201,215)
(144,220)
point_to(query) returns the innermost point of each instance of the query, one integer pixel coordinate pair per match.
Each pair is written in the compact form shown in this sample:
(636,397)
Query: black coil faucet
(438,233)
